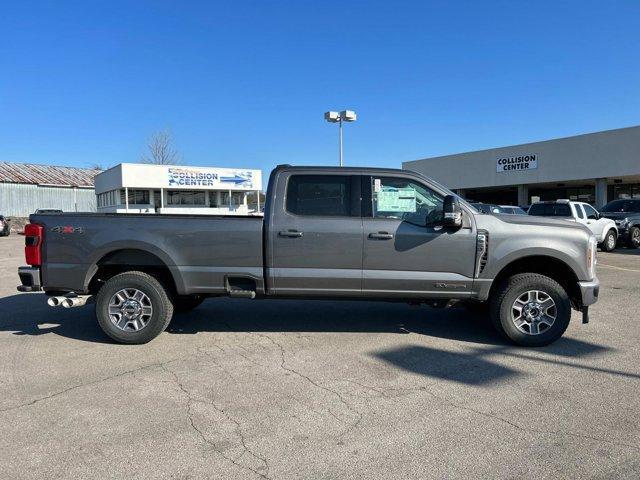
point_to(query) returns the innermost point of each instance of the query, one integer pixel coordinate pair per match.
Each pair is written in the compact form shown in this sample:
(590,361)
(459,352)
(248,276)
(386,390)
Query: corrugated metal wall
(19,200)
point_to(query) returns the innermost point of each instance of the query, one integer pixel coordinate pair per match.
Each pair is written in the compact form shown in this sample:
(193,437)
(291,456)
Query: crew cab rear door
(314,244)
(406,252)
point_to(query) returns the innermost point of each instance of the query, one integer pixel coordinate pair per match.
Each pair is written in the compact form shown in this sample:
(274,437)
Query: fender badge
(67,229)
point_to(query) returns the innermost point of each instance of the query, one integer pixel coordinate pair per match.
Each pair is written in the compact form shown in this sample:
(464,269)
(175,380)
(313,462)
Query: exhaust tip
(67,303)
(53,301)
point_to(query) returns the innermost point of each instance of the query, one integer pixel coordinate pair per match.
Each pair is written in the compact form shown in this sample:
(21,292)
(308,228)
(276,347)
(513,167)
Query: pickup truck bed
(199,250)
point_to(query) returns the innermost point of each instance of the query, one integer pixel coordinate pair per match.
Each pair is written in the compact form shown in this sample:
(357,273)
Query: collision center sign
(528,161)
(216,178)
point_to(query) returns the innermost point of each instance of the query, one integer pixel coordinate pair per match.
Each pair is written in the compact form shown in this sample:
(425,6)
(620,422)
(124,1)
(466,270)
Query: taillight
(33,244)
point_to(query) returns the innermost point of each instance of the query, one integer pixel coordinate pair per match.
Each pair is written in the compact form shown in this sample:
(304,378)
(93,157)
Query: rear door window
(320,195)
(579,211)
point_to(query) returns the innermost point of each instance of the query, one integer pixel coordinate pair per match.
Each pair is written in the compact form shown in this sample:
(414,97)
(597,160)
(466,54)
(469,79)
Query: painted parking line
(617,268)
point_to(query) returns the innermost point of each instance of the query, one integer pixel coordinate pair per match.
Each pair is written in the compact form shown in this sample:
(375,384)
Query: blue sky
(246,83)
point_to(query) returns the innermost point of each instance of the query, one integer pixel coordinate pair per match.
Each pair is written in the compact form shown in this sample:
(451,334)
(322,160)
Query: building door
(406,251)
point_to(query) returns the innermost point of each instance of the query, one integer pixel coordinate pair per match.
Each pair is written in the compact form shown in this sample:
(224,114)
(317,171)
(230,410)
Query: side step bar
(242,294)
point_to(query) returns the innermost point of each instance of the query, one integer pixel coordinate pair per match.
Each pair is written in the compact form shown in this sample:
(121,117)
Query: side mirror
(451,212)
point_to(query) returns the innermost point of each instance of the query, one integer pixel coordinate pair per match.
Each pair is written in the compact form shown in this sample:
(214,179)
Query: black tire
(186,303)
(634,237)
(516,286)
(609,243)
(162,308)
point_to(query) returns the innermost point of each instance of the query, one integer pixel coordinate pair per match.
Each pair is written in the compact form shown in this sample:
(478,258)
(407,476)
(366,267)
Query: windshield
(622,206)
(550,210)
(515,210)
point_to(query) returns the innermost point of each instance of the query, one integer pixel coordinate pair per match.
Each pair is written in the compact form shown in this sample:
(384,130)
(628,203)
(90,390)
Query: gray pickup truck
(338,233)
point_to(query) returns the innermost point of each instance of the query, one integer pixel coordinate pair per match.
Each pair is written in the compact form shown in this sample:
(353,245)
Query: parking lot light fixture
(339,117)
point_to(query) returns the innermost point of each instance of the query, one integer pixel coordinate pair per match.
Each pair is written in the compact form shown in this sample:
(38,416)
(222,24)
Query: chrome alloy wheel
(130,309)
(534,312)
(611,242)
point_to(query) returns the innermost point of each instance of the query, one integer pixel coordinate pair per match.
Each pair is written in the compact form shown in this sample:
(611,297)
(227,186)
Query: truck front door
(315,235)
(407,253)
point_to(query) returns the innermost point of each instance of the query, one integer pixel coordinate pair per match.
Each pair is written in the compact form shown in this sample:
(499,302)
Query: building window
(136,197)
(236,200)
(624,191)
(107,199)
(178,197)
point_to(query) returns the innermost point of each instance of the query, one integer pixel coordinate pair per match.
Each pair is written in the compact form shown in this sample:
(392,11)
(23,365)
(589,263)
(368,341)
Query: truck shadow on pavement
(474,363)
(29,314)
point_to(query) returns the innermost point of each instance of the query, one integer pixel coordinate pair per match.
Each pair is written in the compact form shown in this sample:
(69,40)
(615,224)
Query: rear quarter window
(550,210)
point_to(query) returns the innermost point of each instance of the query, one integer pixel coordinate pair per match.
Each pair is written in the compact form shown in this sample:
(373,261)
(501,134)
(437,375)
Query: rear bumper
(589,291)
(30,279)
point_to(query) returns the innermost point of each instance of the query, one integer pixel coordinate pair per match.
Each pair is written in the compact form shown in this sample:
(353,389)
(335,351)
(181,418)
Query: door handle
(290,233)
(381,236)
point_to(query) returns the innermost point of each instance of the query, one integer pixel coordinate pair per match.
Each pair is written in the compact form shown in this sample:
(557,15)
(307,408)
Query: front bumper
(30,279)
(589,291)
(623,233)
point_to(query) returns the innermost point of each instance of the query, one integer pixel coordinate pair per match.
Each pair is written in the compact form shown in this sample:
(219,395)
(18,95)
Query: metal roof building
(26,187)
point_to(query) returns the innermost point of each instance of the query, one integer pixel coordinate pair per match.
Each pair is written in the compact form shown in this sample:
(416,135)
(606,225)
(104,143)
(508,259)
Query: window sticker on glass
(377,185)
(397,200)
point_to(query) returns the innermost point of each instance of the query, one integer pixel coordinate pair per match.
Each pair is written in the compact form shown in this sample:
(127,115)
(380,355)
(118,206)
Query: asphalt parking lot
(316,389)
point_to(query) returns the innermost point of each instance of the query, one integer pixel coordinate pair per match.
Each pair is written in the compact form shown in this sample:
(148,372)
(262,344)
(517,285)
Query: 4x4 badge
(67,229)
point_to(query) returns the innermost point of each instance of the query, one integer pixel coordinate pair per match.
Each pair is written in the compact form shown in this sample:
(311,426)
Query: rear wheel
(186,303)
(133,308)
(634,237)
(609,243)
(531,310)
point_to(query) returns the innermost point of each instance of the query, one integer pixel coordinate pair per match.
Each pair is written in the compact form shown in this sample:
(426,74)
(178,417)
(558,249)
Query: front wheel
(531,310)
(609,243)
(133,308)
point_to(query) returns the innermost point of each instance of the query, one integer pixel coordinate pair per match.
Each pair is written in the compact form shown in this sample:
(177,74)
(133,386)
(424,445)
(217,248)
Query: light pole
(339,117)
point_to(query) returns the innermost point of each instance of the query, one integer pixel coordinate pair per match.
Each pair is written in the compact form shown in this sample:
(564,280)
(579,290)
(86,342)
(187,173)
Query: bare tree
(161,150)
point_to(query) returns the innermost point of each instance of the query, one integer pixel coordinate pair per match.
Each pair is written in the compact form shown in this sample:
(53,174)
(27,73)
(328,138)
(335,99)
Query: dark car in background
(5,230)
(626,214)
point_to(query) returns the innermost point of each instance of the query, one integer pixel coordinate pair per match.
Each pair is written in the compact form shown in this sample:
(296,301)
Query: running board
(242,294)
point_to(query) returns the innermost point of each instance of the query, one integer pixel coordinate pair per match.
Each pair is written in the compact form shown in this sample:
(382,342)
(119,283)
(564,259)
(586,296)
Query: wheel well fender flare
(140,254)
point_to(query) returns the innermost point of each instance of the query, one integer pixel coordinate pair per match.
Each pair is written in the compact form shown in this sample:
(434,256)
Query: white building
(142,188)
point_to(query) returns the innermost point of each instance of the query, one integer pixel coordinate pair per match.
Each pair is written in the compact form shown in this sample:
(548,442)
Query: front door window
(406,200)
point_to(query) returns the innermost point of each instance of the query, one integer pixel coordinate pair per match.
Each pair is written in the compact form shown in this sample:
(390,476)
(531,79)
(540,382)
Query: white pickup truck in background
(604,229)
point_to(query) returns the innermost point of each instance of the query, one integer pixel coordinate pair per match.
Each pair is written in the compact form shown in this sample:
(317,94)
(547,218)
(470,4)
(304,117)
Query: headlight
(591,256)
